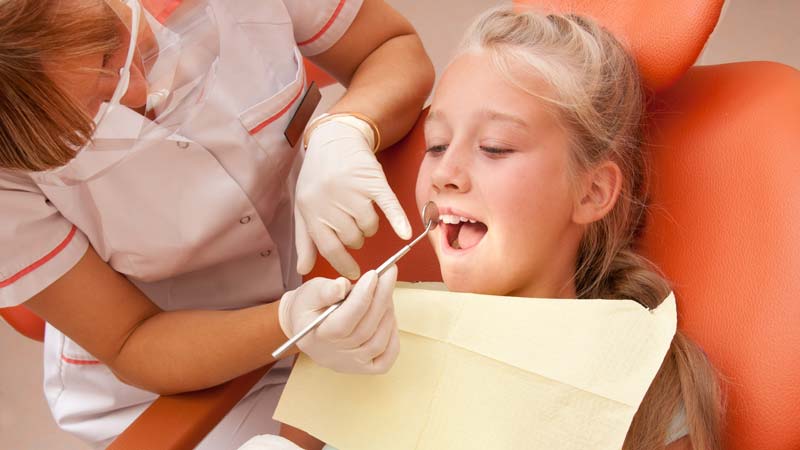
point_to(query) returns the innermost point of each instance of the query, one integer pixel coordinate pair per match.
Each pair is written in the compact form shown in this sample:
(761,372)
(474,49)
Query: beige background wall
(748,30)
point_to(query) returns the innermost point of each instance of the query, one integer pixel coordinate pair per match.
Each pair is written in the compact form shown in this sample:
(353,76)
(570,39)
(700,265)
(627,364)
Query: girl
(535,160)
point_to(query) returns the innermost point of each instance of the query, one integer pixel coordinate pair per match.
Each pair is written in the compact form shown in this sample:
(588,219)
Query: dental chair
(725,142)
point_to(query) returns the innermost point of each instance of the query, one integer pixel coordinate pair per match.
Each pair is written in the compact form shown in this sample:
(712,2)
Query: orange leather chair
(725,197)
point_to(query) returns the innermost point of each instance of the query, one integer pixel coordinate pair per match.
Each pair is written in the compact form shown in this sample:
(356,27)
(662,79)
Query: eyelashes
(496,150)
(493,151)
(436,149)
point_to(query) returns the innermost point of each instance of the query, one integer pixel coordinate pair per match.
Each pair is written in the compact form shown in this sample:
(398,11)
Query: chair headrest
(664,37)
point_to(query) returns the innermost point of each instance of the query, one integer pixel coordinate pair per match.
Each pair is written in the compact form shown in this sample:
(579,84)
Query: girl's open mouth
(462,233)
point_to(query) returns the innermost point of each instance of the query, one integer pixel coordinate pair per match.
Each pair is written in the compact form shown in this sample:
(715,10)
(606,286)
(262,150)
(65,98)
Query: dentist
(151,200)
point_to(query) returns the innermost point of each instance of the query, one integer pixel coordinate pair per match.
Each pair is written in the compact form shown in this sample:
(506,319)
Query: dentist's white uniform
(201,220)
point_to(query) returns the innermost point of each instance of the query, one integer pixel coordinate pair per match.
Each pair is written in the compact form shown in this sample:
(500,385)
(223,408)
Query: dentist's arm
(176,351)
(381,61)
(160,351)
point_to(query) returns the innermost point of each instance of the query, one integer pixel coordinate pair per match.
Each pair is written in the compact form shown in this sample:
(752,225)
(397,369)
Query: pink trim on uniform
(40,262)
(327,25)
(80,362)
(278,114)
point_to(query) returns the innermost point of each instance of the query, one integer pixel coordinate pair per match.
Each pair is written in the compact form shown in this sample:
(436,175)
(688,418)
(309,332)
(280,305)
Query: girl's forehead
(472,85)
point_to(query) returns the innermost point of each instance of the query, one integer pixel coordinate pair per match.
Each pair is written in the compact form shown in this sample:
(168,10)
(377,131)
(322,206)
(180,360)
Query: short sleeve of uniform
(318,24)
(37,244)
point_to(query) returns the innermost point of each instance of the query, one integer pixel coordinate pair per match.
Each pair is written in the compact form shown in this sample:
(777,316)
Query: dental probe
(430,215)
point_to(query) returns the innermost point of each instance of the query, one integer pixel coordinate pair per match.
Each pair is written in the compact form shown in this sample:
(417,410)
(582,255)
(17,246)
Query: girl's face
(497,165)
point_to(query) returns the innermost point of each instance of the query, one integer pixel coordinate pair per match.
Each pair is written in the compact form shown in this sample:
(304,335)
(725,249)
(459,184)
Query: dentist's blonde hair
(41,125)
(596,92)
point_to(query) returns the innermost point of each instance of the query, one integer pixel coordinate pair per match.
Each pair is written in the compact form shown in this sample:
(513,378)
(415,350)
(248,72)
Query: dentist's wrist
(361,123)
(284,314)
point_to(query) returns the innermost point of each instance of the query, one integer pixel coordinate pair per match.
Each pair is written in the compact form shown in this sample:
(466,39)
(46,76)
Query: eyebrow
(488,114)
(491,114)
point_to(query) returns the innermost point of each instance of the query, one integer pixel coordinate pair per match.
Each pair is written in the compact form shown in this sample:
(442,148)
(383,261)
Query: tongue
(470,234)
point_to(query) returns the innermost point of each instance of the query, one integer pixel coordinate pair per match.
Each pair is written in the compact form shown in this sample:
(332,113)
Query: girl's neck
(548,289)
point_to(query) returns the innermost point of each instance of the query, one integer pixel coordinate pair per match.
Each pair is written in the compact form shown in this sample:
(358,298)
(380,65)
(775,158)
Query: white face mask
(179,65)
(125,70)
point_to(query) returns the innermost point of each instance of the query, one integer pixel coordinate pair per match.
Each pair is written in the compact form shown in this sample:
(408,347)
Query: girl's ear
(599,189)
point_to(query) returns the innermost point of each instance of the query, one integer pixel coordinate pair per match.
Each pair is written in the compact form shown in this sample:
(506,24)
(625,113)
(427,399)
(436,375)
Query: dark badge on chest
(294,131)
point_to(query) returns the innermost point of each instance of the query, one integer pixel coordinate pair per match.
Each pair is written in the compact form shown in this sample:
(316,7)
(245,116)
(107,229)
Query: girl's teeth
(451,219)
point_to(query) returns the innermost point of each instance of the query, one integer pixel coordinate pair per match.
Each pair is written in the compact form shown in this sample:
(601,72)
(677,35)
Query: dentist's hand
(339,180)
(360,336)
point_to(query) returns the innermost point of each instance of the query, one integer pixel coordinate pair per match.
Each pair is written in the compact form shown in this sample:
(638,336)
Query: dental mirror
(430,216)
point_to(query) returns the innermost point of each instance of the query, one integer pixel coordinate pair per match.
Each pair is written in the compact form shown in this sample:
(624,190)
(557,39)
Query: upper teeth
(451,219)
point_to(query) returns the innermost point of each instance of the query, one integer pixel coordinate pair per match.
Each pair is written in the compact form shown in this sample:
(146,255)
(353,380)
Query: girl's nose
(452,171)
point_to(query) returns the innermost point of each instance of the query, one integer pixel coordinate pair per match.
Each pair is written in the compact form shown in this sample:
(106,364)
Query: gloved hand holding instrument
(305,322)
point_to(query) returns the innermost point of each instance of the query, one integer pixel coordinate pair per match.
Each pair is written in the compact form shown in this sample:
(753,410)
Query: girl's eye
(496,151)
(436,149)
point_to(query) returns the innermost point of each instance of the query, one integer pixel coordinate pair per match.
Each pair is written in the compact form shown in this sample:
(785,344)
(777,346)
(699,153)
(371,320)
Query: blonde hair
(596,93)
(42,125)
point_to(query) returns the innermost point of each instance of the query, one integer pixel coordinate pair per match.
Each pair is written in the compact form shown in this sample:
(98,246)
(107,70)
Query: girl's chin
(473,283)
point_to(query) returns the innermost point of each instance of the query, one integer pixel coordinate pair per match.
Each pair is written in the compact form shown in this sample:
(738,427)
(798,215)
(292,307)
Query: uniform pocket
(278,108)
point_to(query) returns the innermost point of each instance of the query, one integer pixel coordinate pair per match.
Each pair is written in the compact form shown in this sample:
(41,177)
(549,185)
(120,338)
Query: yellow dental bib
(490,372)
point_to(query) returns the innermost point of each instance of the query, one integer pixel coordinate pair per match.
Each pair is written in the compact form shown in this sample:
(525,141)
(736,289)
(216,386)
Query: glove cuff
(363,124)
(284,316)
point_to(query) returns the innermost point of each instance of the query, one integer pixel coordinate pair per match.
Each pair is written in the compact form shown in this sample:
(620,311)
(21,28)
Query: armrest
(24,321)
(180,422)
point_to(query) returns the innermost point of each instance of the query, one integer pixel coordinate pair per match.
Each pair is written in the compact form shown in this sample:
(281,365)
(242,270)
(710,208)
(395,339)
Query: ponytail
(686,382)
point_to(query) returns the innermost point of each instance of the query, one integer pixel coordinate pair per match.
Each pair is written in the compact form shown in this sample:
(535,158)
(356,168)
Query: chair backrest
(665,37)
(723,227)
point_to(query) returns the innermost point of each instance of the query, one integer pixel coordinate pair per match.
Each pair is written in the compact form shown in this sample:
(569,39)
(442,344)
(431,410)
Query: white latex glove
(269,442)
(360,336)
(339,180)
